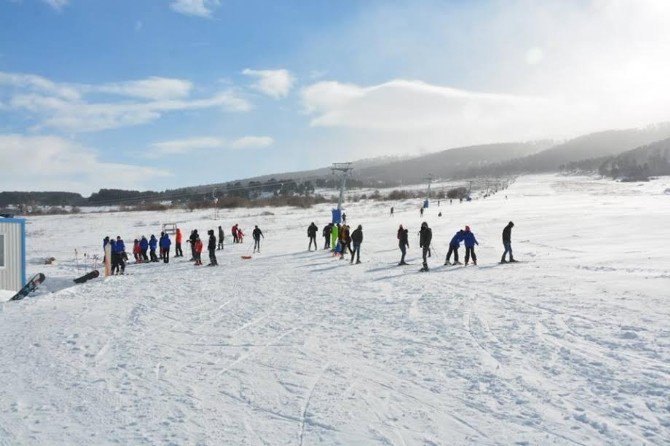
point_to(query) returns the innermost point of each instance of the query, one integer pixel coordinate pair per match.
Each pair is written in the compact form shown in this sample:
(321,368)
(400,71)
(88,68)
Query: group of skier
(141,246)
(339,239)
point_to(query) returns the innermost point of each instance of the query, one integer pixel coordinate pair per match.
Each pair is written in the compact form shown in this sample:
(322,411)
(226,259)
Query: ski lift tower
(430,180)
(343,169)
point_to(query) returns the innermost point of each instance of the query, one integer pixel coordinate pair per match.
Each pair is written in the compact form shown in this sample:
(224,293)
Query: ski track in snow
(572,346)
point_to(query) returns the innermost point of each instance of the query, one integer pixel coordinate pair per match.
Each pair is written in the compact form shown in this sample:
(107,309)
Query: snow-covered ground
(572,346)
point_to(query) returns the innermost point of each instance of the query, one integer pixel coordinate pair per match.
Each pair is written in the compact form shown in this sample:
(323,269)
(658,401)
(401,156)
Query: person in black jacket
(192,239)
(403,243)
(507,242)
(326,235)
(211,247)
(220,245)
(425,237)
(311,233)
(257,234)
(357,239)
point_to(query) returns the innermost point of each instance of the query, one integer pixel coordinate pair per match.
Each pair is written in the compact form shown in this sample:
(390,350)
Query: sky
(156,94)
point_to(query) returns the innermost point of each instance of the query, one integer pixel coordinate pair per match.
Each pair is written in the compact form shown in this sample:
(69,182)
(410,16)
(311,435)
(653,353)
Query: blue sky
(167,93)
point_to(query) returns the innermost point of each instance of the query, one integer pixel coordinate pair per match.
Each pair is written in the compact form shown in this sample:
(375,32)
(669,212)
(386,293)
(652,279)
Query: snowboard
(31,286)
(86,277)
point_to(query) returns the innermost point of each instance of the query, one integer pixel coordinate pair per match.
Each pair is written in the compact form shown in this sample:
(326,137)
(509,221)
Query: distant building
(12,253)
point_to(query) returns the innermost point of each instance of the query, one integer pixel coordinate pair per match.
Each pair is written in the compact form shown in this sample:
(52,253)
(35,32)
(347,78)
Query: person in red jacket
(198,251)
(177,250)
(137,251)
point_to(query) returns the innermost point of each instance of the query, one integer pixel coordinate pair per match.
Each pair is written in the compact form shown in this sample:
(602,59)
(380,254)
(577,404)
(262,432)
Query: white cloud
(198,8)
(151,88)
(65,107)
(274,83)
(56,163)
(57,4)
(252,142)
(188,145)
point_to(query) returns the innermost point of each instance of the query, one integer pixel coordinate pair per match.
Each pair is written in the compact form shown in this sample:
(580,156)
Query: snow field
(572,346)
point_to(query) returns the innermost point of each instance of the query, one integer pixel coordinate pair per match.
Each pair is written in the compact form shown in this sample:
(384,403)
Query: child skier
(470,241)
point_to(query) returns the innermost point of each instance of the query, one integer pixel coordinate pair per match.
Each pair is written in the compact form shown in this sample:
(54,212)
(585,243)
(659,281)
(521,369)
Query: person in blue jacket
(152,248)
(119,251)
(165,247)
(454,244)
(470,241)
(114,258)
(144,245)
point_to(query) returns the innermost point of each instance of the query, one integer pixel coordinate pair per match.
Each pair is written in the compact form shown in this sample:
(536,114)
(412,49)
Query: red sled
(246,257)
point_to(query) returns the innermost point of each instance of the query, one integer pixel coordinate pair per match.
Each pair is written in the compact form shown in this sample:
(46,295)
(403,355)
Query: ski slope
(571,346)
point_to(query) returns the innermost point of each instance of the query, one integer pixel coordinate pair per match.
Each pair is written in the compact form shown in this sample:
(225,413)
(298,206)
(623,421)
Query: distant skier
(391,210)
(403,243)
(120,251)
(421,211)
(160,245)
(152,248)
(233,231)
(356,240)
(137,251)
(221,237)
(425,237)
(197,251)
(507,243)
(165,247)
(470,241)
(178,239)
(326,235)
(454,244)
(257,234)
(192,239)
(344,217)
(211,247)
(311,233)
(334,236)
(144,245)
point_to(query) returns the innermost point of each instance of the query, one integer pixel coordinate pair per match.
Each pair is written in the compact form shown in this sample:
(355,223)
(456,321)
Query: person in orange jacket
(198,251)
(177,250)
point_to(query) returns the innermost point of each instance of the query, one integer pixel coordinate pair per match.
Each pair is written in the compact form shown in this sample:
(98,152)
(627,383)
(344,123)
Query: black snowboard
(32,284)
(86,277)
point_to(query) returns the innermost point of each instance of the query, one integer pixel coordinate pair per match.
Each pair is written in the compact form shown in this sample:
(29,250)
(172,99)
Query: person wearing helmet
(507,243)
(470,241)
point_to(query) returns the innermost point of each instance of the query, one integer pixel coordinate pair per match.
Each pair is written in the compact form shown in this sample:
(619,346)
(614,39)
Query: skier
(403,243)
(357,239)
(114,257)
(454,244)
(421,211)
(137,251)
(144,245)
(192,239)
(326,235)
(257,234)
(507,243)
(334,236)
(345,240)
(161,251)
(178,239)
(165,247)
(152,248)
(211,247)
(121,251)
(197,251)
(425,237)
(240,235)
(233,231)
(220,245)
(391,210)
(311,233)
(344,217)
(470,241)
